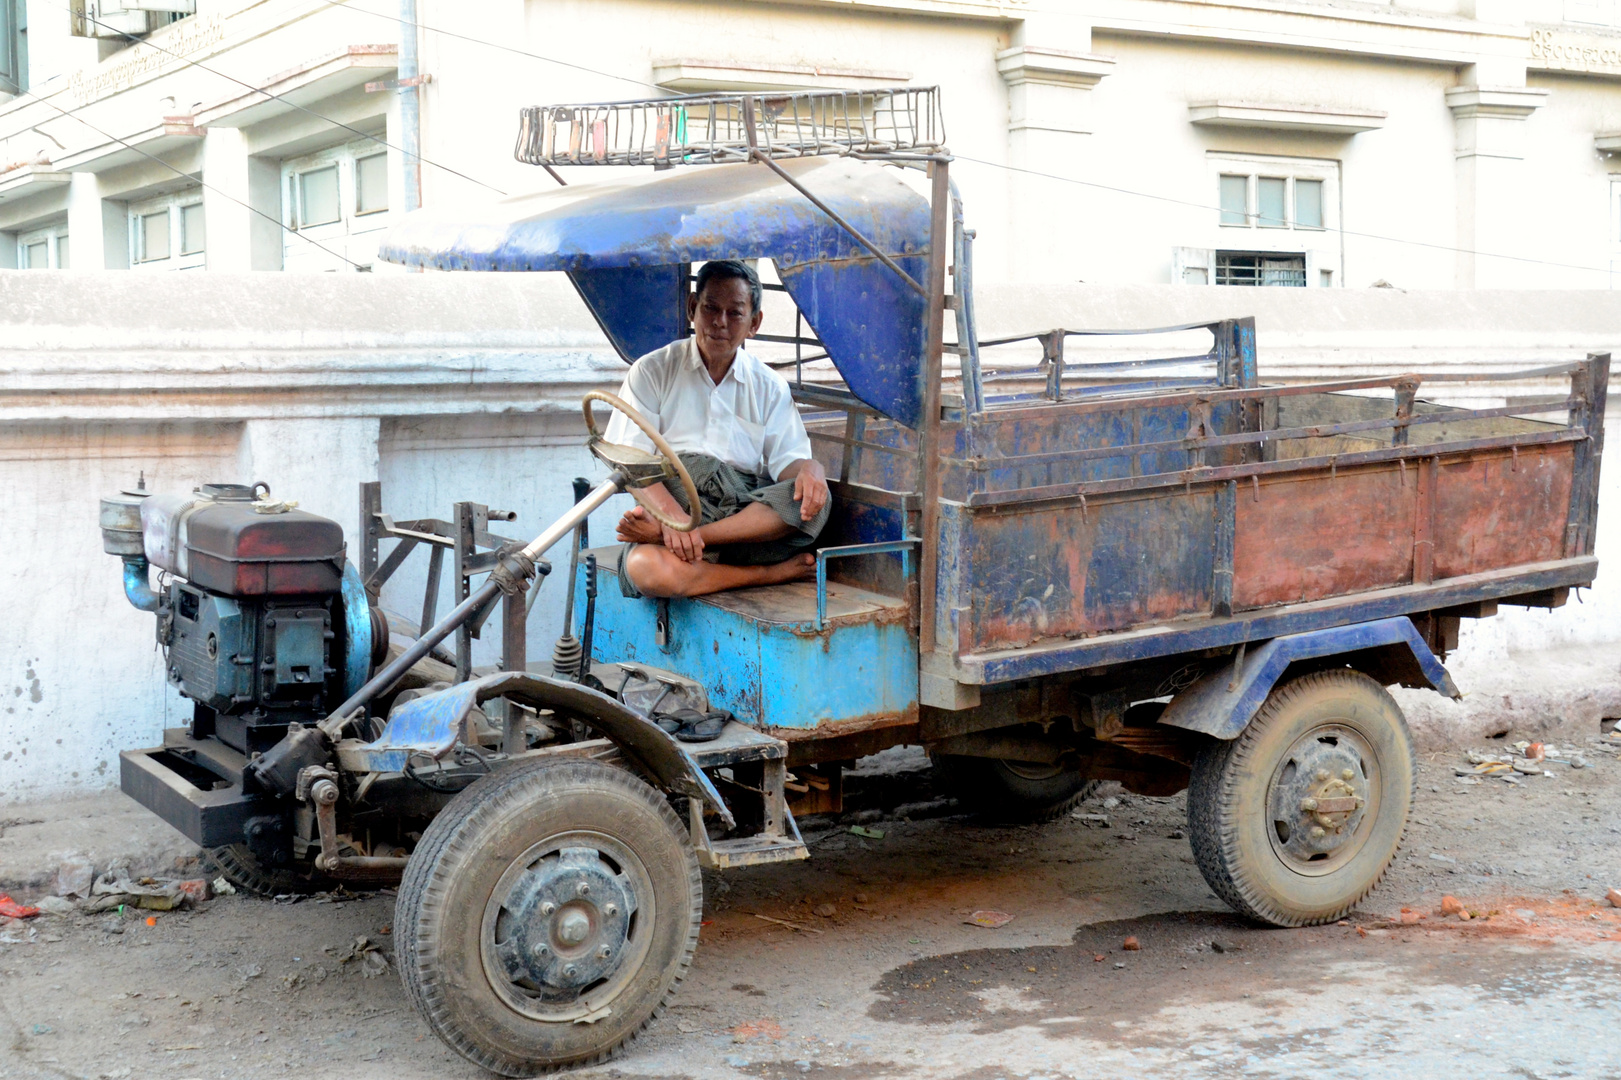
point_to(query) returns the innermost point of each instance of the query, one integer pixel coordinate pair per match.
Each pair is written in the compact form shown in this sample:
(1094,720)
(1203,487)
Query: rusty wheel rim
(1322,799)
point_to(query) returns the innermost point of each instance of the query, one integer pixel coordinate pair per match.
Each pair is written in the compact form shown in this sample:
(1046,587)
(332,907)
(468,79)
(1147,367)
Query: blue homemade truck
(1159,572)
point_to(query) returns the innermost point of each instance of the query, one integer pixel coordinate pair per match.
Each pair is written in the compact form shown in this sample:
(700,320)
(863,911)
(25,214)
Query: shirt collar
(695,360)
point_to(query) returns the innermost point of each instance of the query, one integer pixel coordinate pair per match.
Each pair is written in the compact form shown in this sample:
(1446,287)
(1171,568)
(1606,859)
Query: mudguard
(430,725)
(1223,702)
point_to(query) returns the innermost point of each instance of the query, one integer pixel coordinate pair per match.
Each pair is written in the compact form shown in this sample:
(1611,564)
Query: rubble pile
(77,889)
(1524,760)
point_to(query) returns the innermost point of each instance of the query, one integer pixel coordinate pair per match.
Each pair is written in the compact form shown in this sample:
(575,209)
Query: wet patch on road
(806,1069)
(1095,987)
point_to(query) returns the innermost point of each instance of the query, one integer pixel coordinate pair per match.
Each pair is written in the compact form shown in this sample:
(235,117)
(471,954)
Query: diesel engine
(257,626)
(262,623)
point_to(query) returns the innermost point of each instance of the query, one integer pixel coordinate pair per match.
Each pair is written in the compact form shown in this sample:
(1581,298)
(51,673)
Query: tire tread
(448,831)
(1212,830)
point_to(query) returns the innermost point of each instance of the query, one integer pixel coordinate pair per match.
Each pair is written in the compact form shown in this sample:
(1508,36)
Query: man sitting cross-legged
(733,423)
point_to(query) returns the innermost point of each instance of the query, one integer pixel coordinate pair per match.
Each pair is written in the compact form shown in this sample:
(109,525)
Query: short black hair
(728,269)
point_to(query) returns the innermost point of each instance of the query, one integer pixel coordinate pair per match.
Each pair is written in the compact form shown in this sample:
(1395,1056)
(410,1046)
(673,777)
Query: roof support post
(929,440)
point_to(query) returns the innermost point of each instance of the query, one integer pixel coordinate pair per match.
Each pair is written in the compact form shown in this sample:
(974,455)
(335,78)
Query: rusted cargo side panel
(1055,571)
(1323,533)
(1495,509)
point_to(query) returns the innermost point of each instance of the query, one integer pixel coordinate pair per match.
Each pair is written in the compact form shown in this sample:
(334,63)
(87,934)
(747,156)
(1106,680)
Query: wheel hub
(1319,796)
(571,916)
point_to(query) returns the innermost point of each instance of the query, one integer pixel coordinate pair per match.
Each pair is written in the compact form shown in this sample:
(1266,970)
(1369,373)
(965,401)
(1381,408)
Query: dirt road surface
(895,983)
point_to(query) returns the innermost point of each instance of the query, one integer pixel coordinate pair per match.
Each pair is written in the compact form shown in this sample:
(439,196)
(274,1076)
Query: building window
(337,198)
(1275,222)
(317,193)
(152,237)
(371,184)
(1260,268)
(192,231)
(13,46)
(1271,202)
(122,22)
(166,233)
(43,249)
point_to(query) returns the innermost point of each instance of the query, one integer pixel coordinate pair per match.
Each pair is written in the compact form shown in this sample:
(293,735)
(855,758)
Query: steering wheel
(667,457)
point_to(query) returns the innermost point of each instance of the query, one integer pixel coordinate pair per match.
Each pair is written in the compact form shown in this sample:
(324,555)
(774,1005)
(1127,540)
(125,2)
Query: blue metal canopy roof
(626,246)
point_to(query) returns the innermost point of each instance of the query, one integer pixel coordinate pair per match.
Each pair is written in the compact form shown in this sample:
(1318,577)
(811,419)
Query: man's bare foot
(636,527)
(798,568)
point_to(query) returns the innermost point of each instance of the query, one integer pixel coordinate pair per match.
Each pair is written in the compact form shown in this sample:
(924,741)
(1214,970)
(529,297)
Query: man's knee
(655,571)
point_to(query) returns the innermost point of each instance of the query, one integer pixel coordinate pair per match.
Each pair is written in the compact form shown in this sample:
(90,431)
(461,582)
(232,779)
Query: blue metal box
(759,653)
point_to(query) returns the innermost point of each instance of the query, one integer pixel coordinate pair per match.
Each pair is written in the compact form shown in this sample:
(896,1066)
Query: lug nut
(547,908)
(1322,774)
(1317,832)
(610,909)
(605,952)
(1346,774)
(582,888)
(1308,804)
(540,949)
(570,971)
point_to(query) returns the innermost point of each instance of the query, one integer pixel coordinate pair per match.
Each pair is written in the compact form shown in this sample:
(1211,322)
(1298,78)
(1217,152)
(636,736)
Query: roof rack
(705,129)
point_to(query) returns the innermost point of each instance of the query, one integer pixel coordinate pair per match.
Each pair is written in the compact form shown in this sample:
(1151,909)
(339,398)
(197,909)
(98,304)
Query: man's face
(723,317)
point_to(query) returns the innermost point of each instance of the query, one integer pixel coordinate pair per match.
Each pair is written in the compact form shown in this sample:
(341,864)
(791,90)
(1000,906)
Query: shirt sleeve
(640,391)
(785,438)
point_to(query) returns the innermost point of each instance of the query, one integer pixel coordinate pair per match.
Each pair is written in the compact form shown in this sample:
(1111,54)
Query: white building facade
(1424,143)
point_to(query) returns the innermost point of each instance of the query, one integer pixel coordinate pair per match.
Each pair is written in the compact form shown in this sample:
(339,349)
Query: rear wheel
(1012,791)
(1295,821)
(547,915)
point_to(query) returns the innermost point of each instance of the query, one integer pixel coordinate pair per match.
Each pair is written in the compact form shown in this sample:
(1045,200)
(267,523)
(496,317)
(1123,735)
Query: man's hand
(810,487)
(687,546)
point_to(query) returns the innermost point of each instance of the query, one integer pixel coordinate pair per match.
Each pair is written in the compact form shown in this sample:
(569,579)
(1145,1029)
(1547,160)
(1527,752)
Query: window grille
(1260,268)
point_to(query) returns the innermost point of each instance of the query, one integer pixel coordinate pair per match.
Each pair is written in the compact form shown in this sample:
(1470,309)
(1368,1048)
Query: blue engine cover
(758,652)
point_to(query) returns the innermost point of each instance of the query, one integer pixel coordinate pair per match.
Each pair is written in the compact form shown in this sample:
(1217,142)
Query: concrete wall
(451,387)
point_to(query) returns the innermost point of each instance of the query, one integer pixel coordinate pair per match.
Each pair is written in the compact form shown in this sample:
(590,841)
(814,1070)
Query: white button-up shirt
(748,420)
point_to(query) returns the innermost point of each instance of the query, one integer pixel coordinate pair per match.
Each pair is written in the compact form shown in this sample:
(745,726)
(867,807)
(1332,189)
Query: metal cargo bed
(1130,523)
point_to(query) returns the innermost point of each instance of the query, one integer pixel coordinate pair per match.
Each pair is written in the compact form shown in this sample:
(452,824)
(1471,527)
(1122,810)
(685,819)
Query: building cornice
(1280,116)
(1052,67)
(1495,102)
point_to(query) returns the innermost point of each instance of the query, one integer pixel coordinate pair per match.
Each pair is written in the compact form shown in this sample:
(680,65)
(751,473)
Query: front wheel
(1295,821)
(547,916)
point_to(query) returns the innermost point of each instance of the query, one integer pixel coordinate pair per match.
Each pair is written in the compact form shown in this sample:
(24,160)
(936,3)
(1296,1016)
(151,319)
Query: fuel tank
(221,539)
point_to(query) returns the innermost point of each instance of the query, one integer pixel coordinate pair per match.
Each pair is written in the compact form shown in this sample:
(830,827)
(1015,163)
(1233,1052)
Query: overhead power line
(395,19)
(194,177)
(133,39)
(502,47)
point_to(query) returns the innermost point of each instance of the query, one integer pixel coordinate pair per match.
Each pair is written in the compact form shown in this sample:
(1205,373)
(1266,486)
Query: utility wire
(640,82)
(1011,168)
(492,44)
(1342,231)
(281,98)
(190,176)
